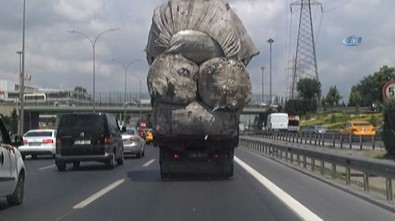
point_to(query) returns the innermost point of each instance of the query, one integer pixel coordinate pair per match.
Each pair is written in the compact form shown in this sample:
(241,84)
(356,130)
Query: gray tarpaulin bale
(161,118)
(224,83)
(193,119)
(172,79)
(212,17)
(195,46)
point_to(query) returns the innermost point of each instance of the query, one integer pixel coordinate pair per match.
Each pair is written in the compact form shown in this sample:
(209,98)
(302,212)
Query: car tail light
(25,141)
(215,156)
(107,140)
(47,141)
(134,139)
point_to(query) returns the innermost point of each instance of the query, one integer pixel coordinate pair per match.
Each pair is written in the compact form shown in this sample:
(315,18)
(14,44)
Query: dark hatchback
(88,137)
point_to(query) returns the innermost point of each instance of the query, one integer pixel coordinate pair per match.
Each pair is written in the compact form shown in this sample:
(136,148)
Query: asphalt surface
(135,191)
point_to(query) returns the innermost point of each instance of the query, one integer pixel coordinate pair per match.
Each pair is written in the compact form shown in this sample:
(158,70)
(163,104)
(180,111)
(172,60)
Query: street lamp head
(270,40)
(71,31)
(114,29)
(19,52)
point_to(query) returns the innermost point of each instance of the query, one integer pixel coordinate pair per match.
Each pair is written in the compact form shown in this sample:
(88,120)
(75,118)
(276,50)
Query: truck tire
(226,169)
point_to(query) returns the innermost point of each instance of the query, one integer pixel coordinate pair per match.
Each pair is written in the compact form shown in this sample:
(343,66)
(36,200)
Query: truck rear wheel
(227,169)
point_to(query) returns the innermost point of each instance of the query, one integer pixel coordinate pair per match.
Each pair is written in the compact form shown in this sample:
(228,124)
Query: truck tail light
(107,140)
(176,156)
(58,142)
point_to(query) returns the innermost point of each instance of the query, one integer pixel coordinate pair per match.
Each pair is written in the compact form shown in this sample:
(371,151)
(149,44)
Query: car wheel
(138,155)
(61,166)
(111,162)
(76,164)
(34,156)
(143,153)
(16,198)
(120,159)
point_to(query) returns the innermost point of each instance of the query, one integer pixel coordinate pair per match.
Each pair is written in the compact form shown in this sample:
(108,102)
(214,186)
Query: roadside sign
(389,90)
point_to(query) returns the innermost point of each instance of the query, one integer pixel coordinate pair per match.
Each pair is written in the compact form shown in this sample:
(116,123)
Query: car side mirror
(123,130)
(18,141)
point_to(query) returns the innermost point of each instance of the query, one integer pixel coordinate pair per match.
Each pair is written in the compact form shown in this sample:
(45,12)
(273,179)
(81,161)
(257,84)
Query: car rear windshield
(82,122)
(131,132)
(38,134)
(359,124)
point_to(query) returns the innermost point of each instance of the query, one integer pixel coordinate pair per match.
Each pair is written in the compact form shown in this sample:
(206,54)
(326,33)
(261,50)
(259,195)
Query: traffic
(197,110)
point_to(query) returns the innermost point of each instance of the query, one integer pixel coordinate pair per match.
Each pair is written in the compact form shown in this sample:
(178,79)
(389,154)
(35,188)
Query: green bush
(389,126)
(333,118)
(374,120)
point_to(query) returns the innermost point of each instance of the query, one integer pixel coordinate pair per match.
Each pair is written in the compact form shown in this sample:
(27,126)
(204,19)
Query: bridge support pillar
(31,120)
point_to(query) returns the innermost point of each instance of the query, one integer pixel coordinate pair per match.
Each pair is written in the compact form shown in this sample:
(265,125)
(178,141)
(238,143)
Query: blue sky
(60,60)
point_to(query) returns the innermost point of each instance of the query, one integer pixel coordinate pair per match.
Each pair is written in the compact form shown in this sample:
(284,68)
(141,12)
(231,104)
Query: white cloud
(77,10)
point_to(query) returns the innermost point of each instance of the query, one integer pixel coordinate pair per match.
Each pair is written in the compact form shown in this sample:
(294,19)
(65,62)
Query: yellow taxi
(358,128)
(149,137)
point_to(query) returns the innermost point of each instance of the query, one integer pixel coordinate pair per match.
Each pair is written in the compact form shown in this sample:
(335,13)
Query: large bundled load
(198,51)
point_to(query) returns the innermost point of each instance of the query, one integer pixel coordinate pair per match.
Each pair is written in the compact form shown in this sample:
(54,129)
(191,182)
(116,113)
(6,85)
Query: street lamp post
(125,67)
(263,84)
(270,42)
(93,42)
(140,81)
(21,92)
(22,75)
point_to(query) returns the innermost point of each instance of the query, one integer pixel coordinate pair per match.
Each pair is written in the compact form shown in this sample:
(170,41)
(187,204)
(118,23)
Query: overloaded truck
(198,51)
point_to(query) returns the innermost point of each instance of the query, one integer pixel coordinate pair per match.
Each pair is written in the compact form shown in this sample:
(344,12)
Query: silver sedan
(133,143)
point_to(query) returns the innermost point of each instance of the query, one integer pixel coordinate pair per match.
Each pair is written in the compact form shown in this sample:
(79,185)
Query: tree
(80,89)
(309,89)
(14,121)
(333,97)
(295,107)
(389,126)
(355,97)
(370,86)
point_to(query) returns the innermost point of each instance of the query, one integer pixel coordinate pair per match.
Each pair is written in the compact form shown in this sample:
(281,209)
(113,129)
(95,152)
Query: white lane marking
(98,194)
(303,212)
(149,163)
(47,167)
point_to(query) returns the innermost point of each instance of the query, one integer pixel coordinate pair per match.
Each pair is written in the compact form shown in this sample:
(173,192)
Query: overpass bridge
(33,112)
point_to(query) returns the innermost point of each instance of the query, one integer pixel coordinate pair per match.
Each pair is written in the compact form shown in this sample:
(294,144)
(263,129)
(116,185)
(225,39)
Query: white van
(277,121)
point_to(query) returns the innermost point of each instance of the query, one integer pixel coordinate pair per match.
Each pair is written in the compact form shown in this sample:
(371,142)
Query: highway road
(261,189)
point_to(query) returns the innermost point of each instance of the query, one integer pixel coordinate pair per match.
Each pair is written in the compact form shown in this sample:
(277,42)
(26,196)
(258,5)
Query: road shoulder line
(299,209)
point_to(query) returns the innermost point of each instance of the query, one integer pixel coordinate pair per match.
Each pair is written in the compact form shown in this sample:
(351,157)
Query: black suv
(88,137)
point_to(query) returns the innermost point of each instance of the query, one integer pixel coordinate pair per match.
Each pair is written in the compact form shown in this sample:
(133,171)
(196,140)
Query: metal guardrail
(333,139)
(369,167)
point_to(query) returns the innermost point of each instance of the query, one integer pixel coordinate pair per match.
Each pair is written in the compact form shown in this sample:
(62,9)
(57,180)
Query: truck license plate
(198,155)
